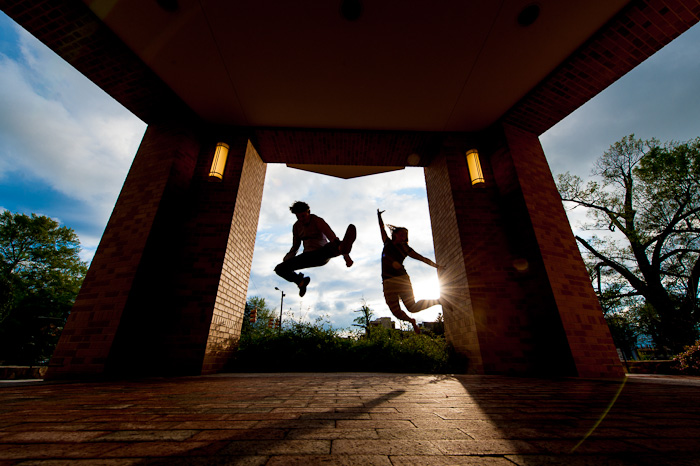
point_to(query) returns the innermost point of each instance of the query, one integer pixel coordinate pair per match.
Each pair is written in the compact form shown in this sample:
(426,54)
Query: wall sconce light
(217,166)
(474,165)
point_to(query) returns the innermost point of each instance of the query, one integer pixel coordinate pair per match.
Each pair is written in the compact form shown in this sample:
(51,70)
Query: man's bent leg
(345,246)
(302,261)
(286,270)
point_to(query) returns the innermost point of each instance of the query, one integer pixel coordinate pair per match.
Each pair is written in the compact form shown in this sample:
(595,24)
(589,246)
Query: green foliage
(388,350)
(647,196)
(364,319)
(623,321)
(438,327)
(258,307)
(688,362)
(317,347)
(40,276)
(622,329)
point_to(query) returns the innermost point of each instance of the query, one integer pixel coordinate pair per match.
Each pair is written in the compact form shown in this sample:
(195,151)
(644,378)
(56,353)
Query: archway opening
(336,291)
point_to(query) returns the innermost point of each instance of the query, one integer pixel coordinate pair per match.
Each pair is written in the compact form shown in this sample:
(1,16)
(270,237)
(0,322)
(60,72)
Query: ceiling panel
(403,65)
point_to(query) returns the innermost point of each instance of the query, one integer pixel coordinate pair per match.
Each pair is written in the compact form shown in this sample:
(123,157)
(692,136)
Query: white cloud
(66,134)
(335,289)
(63,131)
(660,98)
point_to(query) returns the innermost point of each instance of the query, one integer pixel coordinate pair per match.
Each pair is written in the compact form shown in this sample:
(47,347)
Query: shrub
(304,347)
(688,362)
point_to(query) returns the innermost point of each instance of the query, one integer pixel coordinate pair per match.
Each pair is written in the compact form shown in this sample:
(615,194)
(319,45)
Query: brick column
(167,260)
(579,311)
(445,214)
(511,258)
(232,287)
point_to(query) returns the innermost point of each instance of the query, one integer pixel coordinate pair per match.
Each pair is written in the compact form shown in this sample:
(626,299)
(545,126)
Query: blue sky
(66,147)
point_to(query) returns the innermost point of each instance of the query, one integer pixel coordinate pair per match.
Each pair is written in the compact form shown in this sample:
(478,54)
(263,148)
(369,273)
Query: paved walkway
(352,419)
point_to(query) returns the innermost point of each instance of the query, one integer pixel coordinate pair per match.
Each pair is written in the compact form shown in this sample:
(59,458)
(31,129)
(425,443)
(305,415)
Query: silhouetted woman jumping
(395,279)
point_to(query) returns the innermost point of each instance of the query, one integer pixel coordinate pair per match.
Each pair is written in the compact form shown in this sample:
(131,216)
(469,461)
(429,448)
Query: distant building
(385,322)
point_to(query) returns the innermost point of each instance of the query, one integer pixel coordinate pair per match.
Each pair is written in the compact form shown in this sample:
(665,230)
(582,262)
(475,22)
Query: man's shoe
(348,239)
(302,286)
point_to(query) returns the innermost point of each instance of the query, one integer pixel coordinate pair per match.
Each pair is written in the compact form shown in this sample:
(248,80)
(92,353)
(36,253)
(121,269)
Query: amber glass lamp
(219,163)
(475,173)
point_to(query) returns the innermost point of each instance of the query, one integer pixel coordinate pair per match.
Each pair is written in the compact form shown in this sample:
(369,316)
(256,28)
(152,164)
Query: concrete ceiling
(402,65)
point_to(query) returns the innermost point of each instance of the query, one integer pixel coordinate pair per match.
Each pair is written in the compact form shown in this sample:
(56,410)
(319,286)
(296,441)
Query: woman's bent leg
(392,288)
(409,300)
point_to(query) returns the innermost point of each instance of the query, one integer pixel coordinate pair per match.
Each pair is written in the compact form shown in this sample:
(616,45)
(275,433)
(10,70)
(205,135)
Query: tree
(439,327)
(40,276)
(648,199)
(621,312)
(364,318)
(256,305)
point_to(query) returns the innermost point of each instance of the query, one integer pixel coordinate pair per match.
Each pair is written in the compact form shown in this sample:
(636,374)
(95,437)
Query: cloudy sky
(66,147)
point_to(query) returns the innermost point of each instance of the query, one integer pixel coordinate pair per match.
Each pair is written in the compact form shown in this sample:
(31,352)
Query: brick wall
(497,320)
(162,168)
(166,291)
(581,316)
(633,35)
(229,307)
(512,262)
(460,328)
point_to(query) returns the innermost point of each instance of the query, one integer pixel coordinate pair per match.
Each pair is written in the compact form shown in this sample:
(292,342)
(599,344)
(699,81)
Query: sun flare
(427,288)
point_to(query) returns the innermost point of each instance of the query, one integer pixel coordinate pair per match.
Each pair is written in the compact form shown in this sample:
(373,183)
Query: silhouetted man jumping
(320,246)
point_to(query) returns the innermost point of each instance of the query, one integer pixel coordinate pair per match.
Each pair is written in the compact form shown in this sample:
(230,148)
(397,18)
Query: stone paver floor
(352,419)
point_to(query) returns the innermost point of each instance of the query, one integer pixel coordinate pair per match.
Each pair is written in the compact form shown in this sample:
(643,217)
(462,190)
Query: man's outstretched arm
(326,230)
(331,237)
(328,233)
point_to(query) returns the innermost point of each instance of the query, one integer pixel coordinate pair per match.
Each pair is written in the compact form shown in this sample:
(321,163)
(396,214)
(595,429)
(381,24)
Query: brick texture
(632,36)
(163,165)
(517,296)
(166,289)
(233,286)
(460,326)
(582,319)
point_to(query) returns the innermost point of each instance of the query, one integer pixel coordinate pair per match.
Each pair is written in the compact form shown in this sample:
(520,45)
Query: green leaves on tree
(40,276)
(645,196)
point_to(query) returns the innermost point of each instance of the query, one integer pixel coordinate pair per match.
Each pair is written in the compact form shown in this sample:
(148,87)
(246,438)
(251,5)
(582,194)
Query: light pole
(597,271)
(279,331)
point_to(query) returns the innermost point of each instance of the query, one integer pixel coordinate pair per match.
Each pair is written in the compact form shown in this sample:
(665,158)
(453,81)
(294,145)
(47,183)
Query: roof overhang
(354,70)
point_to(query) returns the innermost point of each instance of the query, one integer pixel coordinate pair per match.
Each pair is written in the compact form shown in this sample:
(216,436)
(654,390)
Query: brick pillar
(248,175)
(585,329)
(444,203)
(517,297)
(168,263)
